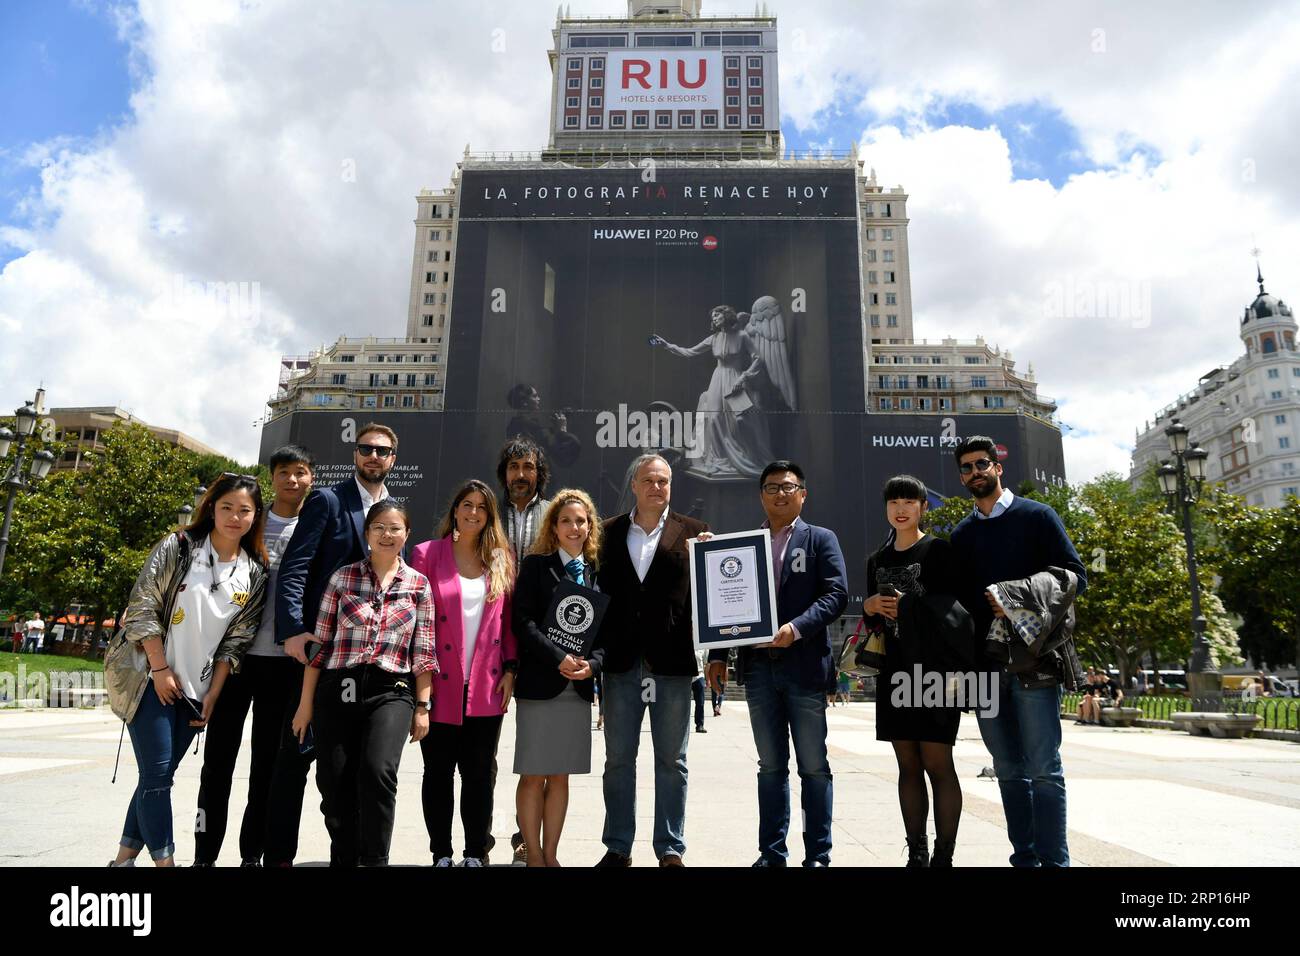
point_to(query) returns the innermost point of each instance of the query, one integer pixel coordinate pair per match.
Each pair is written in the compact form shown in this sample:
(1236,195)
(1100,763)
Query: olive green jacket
(126,666)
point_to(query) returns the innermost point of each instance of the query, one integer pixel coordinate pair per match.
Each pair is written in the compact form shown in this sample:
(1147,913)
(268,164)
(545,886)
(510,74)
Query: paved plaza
(1137,797)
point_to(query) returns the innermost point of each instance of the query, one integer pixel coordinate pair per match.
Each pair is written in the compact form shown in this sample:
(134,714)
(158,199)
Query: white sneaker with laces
(472,861)
(443,863)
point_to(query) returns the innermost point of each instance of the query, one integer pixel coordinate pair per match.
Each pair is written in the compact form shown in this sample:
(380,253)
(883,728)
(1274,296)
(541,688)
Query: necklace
(212,569)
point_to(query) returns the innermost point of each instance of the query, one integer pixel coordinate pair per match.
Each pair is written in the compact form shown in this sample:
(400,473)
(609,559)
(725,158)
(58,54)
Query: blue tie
(574,567)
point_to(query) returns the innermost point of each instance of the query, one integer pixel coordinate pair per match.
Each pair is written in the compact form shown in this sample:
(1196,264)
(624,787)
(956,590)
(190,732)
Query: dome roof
(1266,305)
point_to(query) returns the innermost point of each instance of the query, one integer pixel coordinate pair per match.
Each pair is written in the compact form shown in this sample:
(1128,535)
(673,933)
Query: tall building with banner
(666,276)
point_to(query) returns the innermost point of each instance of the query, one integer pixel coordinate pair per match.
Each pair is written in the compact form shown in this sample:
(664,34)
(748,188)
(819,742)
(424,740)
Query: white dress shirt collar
(367,499)
(1001,505)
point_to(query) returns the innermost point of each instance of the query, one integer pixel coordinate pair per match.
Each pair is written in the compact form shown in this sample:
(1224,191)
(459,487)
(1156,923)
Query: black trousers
(288,781)
(471,748)
(362,718)
(697,691)
(263,685)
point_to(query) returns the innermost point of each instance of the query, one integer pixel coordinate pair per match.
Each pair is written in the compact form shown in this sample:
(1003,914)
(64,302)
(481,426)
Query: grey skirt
(553,736)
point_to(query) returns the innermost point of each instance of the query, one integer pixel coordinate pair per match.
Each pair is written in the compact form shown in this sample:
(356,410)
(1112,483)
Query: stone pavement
(1137,797)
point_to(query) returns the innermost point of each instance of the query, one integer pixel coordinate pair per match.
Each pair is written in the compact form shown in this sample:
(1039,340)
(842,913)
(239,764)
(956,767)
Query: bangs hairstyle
(521,447)
(905,486)
(383,507)
(291,455)
(493,550)
(205,520)
(548,539)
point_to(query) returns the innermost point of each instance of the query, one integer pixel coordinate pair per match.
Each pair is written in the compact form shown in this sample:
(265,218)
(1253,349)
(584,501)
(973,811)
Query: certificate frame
(762,629)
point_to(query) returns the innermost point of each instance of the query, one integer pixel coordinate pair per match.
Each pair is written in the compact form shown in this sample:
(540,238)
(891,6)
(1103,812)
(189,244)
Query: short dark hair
(522,447)
(976,443)
(378,429)
(905,486)
(780,465)
(515,397)
(383,507)
(291,455)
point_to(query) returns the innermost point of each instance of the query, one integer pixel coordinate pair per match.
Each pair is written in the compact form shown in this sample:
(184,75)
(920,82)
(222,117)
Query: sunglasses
(982,464)
(379,451)
(231,474)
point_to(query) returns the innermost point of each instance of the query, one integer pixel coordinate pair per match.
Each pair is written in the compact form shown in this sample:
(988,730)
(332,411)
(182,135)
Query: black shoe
(816,864)
(942,859)
(251,865)
(918,853)
(612,859)
(765,863)
(700,729)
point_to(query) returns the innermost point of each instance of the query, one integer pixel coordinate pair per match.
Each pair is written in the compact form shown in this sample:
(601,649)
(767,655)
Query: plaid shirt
(360,624)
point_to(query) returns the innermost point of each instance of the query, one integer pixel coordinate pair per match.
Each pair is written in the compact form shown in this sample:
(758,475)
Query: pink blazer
(495,645)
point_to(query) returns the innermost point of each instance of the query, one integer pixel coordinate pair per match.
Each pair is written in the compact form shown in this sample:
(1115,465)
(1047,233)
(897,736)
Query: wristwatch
(426,705)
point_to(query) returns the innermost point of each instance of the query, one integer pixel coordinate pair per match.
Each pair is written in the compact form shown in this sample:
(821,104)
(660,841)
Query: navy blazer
(811,598)
(328,536)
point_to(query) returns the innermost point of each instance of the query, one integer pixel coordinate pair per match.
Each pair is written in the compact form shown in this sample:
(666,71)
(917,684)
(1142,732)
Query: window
(755,119)
(640,120)
(979,381)
(903,382)
(597,83)
(367,401)
(408,401)
(618,120)
(756,99)
(1279,419)
(889,255)
(598,63)
(595,121)
(664,40)
(887,235)
(868,209)
(574,83)
(871,233)
(871,277)
(339,378)
(755,82)
(1295,372)
(685,120)
(435,235)
(428,298)
(924,404)
(889,209)
(1269,345)
(941,381)
(733,63)
(572,102)
(709,119)
(431,277)
(390,401)
(446,255)
(874,298)
(1275,395)
(374,379)
(417,358)
(871,255)
(733,82)
(891,321)
(891,298)
(994,401)
(433,255)
(347,358)
(575,63)
(923,381)
(945,404)
(889,277)
(972,360)
(875,321)
(733,100)
(1288,468)
(755,62)
(733,120)
(1274,373)
(1284,442)
(410,381)
(1289,492)
(663,120)
(886,404)
(905,404)
(570,122)
(886,381)
(430,378)
(392,379)
(596,40)
(918,360)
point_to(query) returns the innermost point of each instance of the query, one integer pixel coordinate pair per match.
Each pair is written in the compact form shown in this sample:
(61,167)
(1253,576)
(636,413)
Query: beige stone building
(82,431)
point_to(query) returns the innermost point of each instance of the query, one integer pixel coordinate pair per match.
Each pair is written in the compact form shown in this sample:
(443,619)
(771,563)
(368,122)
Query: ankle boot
(943,850)
(918,852)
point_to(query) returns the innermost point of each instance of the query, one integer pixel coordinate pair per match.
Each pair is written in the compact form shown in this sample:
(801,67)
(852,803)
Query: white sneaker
(443,862)
(130,862)
(472,861)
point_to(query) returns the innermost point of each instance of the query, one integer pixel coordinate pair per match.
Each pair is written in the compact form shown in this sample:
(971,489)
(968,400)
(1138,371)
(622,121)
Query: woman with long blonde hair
(471,571)
(553,730)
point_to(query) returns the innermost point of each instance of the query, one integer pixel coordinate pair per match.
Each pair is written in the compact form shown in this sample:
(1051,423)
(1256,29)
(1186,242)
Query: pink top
(495,645)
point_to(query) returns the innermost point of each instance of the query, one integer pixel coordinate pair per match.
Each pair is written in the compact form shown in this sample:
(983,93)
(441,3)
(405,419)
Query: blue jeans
(628,695)
(1025,741)
(160,735)
(781,709)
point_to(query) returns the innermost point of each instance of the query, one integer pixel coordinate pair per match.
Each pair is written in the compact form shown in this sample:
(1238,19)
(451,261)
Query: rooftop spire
(1259,276)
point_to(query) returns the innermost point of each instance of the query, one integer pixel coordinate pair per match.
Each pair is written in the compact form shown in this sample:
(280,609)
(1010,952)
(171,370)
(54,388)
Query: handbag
(863,654)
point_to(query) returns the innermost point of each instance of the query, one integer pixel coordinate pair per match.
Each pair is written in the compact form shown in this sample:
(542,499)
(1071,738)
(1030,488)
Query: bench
(1203,724)
(1121,716)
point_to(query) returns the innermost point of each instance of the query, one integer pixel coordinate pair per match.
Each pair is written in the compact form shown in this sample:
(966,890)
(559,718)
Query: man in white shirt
(35,634)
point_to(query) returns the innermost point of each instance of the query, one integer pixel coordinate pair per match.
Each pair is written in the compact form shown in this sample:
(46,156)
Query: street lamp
(1181,481)
(14,479)
(183,516)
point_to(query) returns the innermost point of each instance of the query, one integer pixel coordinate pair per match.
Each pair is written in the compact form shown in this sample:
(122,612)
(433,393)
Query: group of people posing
(346,640)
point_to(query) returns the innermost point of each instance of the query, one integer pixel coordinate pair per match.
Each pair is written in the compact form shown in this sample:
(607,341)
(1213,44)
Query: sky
(1086,181)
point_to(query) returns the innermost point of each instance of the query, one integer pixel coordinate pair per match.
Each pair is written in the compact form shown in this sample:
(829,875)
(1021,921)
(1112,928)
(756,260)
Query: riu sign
(654,80)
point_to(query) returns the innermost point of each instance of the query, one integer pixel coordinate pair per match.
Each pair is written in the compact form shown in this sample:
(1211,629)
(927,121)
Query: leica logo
(709,243)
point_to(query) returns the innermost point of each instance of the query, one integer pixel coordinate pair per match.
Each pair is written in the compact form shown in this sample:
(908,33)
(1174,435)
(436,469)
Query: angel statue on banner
(767,330)
(733,434)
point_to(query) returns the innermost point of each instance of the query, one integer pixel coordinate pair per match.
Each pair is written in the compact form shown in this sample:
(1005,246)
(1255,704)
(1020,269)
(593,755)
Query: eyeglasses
(982,464)
(390,529)
(379,451)
(786,487)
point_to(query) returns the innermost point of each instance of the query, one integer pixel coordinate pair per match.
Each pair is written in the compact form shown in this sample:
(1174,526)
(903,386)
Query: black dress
(927,567)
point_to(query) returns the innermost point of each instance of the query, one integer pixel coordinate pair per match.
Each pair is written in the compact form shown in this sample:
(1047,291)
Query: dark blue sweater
(1026,538)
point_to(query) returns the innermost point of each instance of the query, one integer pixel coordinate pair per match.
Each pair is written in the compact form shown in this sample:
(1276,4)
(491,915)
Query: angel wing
(767,330)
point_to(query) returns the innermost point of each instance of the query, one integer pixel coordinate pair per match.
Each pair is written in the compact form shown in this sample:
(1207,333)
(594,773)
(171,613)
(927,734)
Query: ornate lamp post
(1181,480)
(14,480)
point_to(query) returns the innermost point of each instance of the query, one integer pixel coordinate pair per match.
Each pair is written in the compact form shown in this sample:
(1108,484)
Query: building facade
(1244,414)
(82,431)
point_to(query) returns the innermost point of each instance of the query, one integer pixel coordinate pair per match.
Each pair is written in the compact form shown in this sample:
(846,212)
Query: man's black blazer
(649,619)
(539,676)
(328,536)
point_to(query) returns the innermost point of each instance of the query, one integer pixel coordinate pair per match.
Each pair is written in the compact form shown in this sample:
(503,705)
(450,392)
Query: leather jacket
(1035,641)
(126,666)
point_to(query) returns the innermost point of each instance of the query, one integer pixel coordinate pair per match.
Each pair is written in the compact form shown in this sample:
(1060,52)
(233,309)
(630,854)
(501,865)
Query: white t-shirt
(36,630)
(276,538)
(473,595)
(201,615)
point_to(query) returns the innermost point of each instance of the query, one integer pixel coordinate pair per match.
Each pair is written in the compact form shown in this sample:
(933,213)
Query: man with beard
(1009,538)
(329,535)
